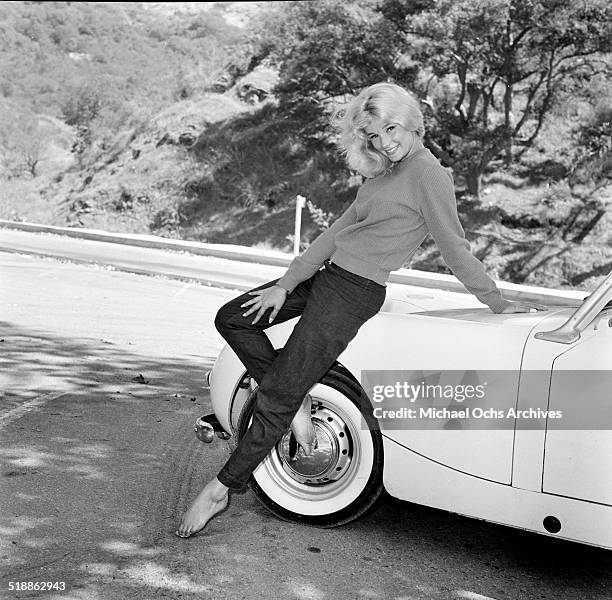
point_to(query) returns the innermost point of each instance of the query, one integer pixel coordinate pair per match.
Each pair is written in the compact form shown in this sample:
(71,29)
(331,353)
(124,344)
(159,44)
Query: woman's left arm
(439,210)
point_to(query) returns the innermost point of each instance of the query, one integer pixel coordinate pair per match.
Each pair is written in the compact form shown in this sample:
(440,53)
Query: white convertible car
(527,443)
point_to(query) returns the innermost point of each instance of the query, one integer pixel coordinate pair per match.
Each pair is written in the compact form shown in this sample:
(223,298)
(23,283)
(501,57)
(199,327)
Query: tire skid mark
(182,457)
(14,414)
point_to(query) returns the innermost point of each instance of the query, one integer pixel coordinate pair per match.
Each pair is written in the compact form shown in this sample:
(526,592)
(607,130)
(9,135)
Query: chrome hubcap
(332,457)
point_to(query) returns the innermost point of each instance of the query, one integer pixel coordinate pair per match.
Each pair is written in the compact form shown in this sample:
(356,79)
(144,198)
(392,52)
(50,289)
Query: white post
(299,205)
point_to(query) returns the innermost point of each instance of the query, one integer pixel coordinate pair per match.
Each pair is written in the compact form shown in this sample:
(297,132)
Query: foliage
(102,67)
(24,143)
(83,105)
(492,70)
(321,218)
(591,172)
(492,75)
(488,71)
(50,50)
(592,164)
(324,51)
(329,48)
(261,159)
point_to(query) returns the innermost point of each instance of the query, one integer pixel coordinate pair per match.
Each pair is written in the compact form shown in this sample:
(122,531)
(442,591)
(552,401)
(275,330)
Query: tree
(83,104)
(591,173)
(25,144)
(325,50)
(576,205)
(80,109)
(491,70)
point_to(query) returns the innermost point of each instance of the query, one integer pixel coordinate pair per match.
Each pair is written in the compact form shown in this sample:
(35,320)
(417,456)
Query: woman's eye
(390,128)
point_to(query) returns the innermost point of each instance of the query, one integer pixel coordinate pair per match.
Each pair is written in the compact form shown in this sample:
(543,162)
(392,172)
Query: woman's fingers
(252,300)
(529,306)
(254,303)
(260,307)
(251,310)
(275,310)
(259,314)
(537,307)
(265,299)
(522,307)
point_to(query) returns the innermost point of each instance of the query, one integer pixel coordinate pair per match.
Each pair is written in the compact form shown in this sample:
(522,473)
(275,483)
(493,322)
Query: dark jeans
(334,303)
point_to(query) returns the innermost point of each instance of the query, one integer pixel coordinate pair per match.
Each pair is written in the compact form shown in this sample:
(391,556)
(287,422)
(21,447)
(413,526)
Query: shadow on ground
(81,364)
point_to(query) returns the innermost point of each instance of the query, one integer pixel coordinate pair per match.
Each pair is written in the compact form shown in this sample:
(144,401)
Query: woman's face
(391,138)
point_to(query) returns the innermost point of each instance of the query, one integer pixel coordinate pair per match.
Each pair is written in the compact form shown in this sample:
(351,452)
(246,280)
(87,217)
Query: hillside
(117,102)
(123,50)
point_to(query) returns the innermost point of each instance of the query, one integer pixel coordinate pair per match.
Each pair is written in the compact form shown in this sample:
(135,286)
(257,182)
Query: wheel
(343,479)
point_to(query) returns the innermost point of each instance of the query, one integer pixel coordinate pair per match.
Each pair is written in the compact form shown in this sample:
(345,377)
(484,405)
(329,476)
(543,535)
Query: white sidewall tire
(351,495)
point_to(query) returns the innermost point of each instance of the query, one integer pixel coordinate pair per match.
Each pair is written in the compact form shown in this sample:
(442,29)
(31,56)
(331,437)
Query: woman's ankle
(217,489)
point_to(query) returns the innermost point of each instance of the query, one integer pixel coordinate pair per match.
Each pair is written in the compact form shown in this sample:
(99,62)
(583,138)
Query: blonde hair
(386,101)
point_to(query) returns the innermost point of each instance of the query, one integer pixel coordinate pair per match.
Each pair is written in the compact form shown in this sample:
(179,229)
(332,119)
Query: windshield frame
(592,306)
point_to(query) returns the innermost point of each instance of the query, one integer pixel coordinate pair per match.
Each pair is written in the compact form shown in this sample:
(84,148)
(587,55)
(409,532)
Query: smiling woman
(392,139)
(335,287)
(380,127)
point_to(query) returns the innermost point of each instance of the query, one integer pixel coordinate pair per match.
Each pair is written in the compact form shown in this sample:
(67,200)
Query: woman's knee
(229,316)
(226,316)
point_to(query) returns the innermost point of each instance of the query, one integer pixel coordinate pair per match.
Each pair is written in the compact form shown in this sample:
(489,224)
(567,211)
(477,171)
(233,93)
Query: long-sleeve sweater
(389,219)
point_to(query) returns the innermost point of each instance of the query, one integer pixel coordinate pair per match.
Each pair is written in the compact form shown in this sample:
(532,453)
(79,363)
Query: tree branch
(474,93)
(462,74)
(530,96)
(519,37)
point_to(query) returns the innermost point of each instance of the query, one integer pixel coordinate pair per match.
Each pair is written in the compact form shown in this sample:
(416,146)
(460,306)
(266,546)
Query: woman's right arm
(309,262)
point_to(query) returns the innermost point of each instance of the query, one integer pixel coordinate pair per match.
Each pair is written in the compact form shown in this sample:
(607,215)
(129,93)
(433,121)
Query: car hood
(485,316)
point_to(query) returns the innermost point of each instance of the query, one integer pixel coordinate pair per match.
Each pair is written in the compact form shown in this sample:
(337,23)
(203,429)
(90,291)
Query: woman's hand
(522,307)
(272,297)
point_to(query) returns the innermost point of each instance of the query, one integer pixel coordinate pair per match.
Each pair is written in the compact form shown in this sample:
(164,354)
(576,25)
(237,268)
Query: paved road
(134,259)
(97,466)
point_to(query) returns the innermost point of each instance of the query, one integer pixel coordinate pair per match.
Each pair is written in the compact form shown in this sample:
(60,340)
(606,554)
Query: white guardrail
(424,279)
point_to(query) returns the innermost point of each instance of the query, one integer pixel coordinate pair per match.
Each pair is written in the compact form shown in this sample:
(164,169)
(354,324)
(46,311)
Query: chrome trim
(570,331)
(204,430)
(207,426)
(332,457)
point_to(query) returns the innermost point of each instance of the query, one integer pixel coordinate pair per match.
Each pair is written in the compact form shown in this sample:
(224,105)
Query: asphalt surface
(208,270)
(102,375)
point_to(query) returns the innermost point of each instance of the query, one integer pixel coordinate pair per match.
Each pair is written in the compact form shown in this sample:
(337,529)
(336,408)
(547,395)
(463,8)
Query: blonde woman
(338,283)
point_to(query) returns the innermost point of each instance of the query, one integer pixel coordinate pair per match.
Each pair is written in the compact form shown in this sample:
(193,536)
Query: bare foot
(212,500)
(303,429)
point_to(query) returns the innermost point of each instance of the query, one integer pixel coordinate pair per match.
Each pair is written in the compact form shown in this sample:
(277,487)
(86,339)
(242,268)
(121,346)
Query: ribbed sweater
(386,223)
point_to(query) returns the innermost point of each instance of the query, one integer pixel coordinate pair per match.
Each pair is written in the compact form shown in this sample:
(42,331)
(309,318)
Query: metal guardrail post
(299,205)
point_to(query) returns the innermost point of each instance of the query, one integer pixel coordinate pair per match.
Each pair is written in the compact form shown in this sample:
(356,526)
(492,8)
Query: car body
(542,474)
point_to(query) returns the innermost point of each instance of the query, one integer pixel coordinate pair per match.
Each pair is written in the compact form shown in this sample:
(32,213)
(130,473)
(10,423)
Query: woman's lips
(392,150)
